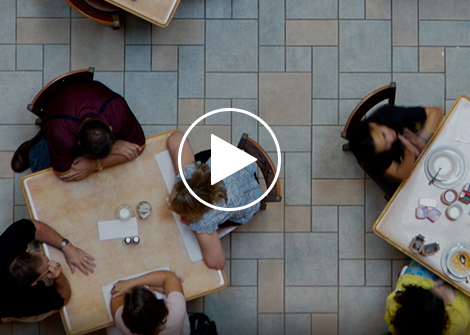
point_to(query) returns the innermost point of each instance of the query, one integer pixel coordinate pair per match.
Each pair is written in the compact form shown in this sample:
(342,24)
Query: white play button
(226,159)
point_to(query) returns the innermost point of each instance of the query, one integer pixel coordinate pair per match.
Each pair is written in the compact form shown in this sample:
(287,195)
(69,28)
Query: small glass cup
(124,212)
(143,209)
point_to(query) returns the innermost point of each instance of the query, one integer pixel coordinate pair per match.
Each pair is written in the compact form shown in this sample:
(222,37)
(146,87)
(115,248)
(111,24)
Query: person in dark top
(86,127)
(387,143)
(24,295)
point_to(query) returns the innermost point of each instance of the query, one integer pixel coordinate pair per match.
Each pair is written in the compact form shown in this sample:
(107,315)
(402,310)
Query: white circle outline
(238,111)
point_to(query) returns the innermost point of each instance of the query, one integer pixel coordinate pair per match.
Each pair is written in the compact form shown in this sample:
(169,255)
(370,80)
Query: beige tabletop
(159,12)
(75,208)
(398,224)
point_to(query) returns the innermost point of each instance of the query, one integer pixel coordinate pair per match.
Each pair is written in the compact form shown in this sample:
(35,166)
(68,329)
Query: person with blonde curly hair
(236,190)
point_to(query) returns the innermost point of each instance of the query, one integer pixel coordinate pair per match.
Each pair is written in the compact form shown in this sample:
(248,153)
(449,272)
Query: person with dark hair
(387,143)
(136,309)
(238,189)
(423,304)
(25,297)
(86,127)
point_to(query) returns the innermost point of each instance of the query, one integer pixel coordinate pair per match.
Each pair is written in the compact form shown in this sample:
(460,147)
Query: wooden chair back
(42,98)
(268,169)
(99,11)
(364,106)
(265,164)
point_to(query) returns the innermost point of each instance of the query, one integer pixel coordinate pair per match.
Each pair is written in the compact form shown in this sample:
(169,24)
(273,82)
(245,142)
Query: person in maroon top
(86,127)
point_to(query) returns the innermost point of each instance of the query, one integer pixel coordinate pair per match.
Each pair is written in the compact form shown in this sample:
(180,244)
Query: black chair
(42,98)
(364,106)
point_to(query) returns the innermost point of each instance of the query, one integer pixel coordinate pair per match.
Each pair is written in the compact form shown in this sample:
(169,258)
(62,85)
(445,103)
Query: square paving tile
(328,159)
(431,59)
(374,39)
(233,310)
(152,96)
(361,311)
(18,89)
(308,253)
(378,9)
(222,36)
(405,59)
(96,45)
(285,98)
(164,58)
(324,219)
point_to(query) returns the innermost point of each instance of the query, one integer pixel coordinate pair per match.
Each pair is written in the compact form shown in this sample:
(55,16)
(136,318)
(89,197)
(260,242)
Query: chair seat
(102,5)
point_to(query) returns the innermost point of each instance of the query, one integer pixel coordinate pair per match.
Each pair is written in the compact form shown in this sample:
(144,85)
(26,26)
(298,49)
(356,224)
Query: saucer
(452,163)
(450,262)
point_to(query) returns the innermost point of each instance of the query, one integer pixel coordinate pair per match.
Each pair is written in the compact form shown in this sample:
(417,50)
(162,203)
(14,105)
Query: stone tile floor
(311,264)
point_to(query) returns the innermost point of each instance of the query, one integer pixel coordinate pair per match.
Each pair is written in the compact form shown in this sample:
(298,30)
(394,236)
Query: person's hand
(407,145)
(414,139)
(445,292)
(76,257)
(121,288)
(81,167)
(127,149)
(54,269)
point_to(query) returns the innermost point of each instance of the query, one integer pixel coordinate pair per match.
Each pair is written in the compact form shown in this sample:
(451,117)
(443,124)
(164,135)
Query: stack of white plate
(452,163)
(450,260)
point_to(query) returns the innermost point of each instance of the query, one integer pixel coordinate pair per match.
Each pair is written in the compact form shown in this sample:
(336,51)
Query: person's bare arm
(187,154)
(212,252)
(62,286)
(116,303)
(122,151)
(60,282)
(74,256)
(433,118)
(403,169)
(166,279)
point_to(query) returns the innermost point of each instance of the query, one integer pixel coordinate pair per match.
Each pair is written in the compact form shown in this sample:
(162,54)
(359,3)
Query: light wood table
(158,12)
(75,208)
(398,224)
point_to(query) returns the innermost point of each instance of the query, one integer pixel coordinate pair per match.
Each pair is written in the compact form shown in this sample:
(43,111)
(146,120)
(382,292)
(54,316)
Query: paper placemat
(117,229)
(189,238)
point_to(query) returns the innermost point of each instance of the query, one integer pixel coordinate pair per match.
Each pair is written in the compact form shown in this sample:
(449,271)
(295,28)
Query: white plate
(446,260)
(452,162)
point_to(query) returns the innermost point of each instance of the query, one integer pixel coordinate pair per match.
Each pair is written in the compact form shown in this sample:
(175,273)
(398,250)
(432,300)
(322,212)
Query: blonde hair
(189,207)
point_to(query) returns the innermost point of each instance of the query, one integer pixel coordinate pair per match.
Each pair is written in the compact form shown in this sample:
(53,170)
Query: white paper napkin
(117,229)
(190,242)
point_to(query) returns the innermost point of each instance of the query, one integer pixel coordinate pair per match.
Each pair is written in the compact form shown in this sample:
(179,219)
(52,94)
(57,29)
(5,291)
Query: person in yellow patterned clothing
(422,303)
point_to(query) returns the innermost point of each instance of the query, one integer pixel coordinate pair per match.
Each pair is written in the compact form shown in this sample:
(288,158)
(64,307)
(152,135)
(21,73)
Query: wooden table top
(74,210)
(158,12)
(398,224)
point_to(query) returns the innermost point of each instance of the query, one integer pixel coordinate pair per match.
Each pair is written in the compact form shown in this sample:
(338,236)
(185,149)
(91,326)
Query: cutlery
(435,176)
(458,139)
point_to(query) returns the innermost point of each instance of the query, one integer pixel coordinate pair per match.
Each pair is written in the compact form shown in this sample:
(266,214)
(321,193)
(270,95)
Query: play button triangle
(226,159)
